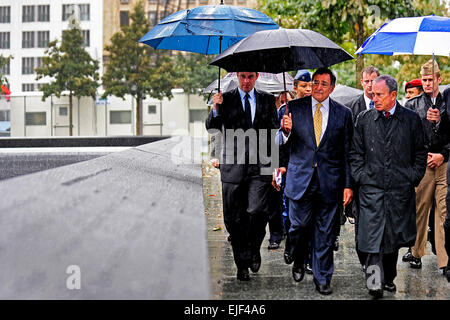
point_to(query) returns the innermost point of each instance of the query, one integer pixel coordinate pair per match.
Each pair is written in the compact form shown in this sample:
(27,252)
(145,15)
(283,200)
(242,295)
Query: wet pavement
(274,280)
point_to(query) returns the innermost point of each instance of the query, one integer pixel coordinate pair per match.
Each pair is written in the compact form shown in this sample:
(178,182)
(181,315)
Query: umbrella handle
(218,82)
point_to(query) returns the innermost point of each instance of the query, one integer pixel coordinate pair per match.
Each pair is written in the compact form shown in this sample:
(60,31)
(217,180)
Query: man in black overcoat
(388,160)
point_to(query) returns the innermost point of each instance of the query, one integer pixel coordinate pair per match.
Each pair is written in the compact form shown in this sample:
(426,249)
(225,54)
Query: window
(152,15)
(35,118)
(5,40)
(84,12)
(44,13)
(26,87)
(28,13)
(86,37)
(151,109)
(28,39)
(63,111)
(38,62)
(5,14)
(5,70)
(198,115)
(67,11)
(119,117)
(5,115)
(78,12)
(124,19)
(27,66)
(43,39)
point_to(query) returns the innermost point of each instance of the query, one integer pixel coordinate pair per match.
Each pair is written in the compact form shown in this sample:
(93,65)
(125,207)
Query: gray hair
(391,83)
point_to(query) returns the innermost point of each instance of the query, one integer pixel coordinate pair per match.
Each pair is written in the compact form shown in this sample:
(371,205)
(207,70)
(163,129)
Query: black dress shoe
(273,246)
(390,286)
(376,293)
(323,288)
(298,272)
(243,274)
(415,263)
(256,262)
(308,268)
(407,256)
(336,244)
(447,273)
(288,258)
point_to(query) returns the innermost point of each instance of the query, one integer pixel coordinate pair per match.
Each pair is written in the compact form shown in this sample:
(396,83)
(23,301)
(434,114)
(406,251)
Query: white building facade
(27,26)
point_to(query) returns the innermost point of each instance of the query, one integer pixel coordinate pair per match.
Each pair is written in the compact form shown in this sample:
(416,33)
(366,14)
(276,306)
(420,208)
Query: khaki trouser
(433,185)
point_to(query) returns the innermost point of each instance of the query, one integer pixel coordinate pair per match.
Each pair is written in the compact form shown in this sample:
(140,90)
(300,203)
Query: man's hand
(433,115)
(434,160)
(274,183)
(286,123)
(217,99)
(348,196)
(215,162)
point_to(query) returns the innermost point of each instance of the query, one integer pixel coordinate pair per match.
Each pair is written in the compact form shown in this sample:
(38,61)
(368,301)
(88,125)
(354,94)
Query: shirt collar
(367,100)
(325,103)
(251,93)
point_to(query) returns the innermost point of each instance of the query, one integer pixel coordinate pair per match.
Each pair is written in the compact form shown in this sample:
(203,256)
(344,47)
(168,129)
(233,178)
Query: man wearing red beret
(413,88)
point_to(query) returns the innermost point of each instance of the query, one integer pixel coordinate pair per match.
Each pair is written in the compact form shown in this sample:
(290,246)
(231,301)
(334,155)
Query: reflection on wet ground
(274,280)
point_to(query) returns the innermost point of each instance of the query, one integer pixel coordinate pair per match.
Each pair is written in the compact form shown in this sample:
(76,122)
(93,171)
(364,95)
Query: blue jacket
(331,156)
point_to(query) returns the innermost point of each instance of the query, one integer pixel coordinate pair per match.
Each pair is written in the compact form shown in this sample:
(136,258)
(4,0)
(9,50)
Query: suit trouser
(432,185)
(245,213)
(385,264)
(275,216)
(312,218)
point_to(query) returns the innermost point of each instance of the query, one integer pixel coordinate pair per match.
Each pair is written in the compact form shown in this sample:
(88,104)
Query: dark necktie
(371,104)
(387,114)
(248,111)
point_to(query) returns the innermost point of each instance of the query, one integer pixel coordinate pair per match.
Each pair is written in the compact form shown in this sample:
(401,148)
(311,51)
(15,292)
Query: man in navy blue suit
(319,131)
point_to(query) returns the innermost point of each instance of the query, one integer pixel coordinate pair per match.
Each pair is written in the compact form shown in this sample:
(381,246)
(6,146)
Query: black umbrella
(281,50)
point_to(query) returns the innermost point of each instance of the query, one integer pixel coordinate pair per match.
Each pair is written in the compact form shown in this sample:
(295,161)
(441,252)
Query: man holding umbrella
(318,131)
(433,185)
(241,114)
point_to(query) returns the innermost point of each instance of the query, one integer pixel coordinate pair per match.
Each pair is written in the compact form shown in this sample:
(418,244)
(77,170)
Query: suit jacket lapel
(308,116)
(257,108)
(331,122)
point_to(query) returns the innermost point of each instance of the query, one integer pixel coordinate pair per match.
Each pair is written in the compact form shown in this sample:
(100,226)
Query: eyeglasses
(323,83)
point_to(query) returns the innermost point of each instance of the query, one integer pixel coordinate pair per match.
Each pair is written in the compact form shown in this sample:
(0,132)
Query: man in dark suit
(361,103)
(318,131)
(247,117)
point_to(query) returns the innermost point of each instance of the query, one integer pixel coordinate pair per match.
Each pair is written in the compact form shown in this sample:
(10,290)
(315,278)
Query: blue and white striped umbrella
(429,35)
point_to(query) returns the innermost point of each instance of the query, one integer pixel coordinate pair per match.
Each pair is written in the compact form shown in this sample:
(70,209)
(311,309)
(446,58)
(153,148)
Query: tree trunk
(70,114)
(360,58)
(138,116)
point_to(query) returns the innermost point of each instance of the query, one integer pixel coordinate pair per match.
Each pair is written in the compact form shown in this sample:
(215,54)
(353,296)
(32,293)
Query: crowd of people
(381,165)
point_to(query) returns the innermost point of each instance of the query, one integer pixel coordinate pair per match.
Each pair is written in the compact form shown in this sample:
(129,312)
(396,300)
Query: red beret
(413,83)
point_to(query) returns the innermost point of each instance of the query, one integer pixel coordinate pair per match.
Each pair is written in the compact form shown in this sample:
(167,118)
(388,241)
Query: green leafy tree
(70,68)
(195,72)
(347,22)
(137,69)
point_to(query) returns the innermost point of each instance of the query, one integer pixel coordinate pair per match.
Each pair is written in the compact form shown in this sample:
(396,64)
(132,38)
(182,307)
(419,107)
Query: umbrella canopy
(206,29)
(266,81)
(344,94)
(429,35)
(281,50)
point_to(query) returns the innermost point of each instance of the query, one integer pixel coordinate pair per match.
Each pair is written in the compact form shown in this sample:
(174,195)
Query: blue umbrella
(428,35)
(207,29)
